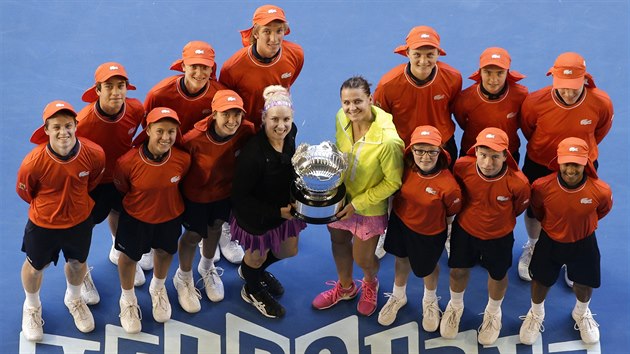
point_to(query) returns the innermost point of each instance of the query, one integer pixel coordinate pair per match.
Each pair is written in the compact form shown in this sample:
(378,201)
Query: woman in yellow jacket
(368,136)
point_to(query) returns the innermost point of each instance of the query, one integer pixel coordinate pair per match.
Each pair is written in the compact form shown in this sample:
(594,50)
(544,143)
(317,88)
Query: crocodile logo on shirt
(285,75)
(430,191)
(586,122)
(503,198)
(511,115)
(84,173)
(586,201)
(131,131)
(175,179)
(438,97)
(22,186)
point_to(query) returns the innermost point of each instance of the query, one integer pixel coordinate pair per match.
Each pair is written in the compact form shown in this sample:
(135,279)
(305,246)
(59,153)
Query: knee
(75,264)
(458,273)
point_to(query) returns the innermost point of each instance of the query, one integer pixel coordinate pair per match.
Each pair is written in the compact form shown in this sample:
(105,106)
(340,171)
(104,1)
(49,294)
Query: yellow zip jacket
(375,162)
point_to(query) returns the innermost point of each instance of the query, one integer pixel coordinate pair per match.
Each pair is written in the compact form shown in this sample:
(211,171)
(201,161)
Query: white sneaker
(490,328)
(431,315)
(146,262)
(88,290)
(212,282)
(114,254)
(524,260)
(82,315)
(32,323)
(531,328)
(388,313)
(139,279)
(589,331)
(449,325)
(232,250)
(568,281)
(187,295)
(380,250)
(130,316)
(161,305)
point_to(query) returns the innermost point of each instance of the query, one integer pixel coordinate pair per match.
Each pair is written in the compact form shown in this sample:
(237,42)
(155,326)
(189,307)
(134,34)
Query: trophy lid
(319,167)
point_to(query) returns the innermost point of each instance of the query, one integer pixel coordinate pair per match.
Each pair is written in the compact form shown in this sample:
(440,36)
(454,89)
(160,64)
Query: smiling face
(425,156)
(493,78)
(422,61)
(269,38)
(490,162)
(277,122)
(570,96)
(226,123)
(61,129)
(356,104)
(196,76)
(571,173)
(162,135)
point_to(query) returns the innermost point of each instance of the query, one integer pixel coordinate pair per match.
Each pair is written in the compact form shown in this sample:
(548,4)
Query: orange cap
(157,114)
(427,134)
(499,57)
(103,73)
(196,52)
(573,150)
(39,136)
(497,140)
(262,16)
(569,72)
(420,36)
(227,99)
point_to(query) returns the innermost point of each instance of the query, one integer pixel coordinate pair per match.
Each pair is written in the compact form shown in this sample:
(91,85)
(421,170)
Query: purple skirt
(270,240)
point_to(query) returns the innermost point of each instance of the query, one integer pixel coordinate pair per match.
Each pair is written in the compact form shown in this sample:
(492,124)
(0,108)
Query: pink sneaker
(369,294)
(331,297)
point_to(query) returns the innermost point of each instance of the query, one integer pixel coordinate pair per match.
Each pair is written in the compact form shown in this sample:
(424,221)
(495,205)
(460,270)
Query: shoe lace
(160,299)
(451,319)
(78,309)
(391,304)
(334,293)
(368,290)
(490,321)
(34,317)
(533,322)
(88,284)
(131,310)
(210,276)
(432,309)
(190,289)
(586,322)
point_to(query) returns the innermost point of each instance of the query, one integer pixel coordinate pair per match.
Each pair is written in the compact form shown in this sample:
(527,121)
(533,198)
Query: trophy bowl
(318,192)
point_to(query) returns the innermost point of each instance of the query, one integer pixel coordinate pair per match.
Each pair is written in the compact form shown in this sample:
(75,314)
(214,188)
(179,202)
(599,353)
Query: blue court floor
(50,49)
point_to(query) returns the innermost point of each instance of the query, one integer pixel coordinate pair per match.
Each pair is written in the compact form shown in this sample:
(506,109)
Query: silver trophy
(318,191)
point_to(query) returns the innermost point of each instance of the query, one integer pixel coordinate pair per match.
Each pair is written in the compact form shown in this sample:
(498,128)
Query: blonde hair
(276,95)
(256,27)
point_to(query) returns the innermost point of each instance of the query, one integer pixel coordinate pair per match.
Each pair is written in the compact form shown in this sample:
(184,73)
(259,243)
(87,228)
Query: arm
(605,121)
(98,167)
(522,195)
(528,119)
(453,199)
(121,180)
(605,204)
(26,186)
(391,163)
(536,204)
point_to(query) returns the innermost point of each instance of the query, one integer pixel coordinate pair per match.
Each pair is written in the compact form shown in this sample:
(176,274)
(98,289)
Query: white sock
(184,275)
(493,306)
(457,299)
(400,292)
(156,283)
(429,295)
(539,309)
(32,299)
(128,295)
(580,307)
(73,291)
(205,263)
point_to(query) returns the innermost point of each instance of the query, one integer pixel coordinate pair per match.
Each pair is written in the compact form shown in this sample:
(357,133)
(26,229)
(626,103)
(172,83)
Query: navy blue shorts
(42,245)
(106,198)
(493,255)
(423,251)
(582,259)
(198,216)
(135,238)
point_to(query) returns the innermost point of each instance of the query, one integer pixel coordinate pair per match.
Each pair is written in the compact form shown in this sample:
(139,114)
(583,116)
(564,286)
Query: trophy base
(317,212)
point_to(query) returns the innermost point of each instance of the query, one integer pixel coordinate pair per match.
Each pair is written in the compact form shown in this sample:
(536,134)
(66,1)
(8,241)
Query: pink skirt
(363,227)
(270,240)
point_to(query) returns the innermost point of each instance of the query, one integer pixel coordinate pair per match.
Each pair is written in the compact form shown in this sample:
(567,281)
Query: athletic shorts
(582,259)
(198,216)
(42,245)
(135,238)
(467,250)
(106,198)
(423,251)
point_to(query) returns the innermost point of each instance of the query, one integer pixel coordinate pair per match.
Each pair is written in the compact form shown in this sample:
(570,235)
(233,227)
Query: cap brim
(574,84)
(226,107)
(573,159)
(39,136)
